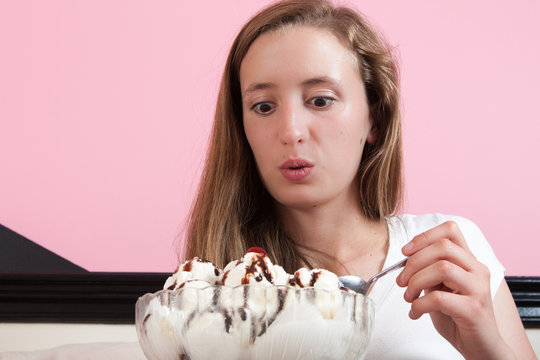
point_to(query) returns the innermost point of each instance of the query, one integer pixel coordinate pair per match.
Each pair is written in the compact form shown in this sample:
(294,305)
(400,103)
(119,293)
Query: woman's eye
(263,108)
(321,102)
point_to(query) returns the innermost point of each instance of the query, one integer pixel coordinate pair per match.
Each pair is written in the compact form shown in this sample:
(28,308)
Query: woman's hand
(456,292)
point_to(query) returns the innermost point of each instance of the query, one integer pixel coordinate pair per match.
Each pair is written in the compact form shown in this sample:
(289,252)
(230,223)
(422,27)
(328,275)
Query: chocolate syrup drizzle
(314,277)
(282,295)
(144,322)
(228,320)
(254,271)
(173,285)
(188,265)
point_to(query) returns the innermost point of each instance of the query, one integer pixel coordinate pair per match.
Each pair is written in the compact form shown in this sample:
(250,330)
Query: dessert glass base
(254,322)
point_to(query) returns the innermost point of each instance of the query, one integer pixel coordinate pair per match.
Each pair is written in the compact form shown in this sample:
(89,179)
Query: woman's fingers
(441,264)
(453,305)
(442,273)
(442,250)
(463,309)
(448,230)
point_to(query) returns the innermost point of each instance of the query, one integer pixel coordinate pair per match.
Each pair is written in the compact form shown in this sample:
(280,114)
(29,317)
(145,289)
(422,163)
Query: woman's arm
(510,325)
(445,280)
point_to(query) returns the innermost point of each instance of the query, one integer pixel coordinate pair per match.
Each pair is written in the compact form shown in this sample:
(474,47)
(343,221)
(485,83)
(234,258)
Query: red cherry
(257,250)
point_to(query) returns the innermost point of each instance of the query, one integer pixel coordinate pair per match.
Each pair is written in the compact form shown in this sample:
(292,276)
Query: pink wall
(105,107)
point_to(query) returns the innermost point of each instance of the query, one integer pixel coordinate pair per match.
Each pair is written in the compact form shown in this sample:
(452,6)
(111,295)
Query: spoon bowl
(359,285)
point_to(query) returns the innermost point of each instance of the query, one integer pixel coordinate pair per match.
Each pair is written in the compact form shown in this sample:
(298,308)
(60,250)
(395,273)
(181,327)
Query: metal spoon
(359,285)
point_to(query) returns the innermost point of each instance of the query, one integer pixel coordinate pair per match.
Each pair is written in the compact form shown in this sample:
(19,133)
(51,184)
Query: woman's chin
(313,200)
(300,202)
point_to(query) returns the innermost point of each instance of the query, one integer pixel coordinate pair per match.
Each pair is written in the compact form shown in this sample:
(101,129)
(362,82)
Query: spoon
(359,285)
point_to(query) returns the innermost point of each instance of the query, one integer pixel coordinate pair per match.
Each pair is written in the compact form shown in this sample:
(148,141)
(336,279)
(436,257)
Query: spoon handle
(387,270)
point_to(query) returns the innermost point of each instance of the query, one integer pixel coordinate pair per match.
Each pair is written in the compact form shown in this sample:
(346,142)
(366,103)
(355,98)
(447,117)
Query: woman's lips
(296,170)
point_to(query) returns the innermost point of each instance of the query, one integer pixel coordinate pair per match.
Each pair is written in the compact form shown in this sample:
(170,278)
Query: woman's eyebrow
(322,80)
(311,81)
(258,86)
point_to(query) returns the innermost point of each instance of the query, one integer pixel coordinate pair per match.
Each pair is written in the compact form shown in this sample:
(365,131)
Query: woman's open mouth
(296,170)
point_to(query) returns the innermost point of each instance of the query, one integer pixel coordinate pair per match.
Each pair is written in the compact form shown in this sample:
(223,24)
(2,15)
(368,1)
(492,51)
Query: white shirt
(395,335)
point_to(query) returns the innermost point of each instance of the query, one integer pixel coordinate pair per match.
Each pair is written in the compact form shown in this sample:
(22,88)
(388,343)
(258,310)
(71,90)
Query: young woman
(305,162)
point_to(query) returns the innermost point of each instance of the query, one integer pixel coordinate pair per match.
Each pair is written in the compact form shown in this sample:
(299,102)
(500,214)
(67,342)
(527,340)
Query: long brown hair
(233,211)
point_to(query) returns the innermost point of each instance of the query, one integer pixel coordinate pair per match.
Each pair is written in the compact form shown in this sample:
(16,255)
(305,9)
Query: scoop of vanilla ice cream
(281,277)
(328,294)
(160,333)
(252,268)
(325,280)
(317,278)
(194,269)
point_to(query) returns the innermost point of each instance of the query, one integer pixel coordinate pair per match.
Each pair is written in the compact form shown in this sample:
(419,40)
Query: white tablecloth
(93,351)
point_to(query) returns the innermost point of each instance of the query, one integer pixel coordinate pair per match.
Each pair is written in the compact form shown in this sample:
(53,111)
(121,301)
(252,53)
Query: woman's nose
(293,126)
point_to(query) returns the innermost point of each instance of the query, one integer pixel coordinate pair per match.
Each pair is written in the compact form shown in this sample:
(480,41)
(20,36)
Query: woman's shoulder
(415,224)
(423,222)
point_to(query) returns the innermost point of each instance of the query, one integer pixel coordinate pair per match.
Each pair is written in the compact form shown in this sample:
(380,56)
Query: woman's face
(306,115)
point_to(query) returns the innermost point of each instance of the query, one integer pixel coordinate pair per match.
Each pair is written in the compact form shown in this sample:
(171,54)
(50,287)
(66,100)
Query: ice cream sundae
(253,309)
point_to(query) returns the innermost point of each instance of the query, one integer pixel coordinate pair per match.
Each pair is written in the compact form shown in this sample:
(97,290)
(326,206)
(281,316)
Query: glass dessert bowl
(253,309)
(254,322)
